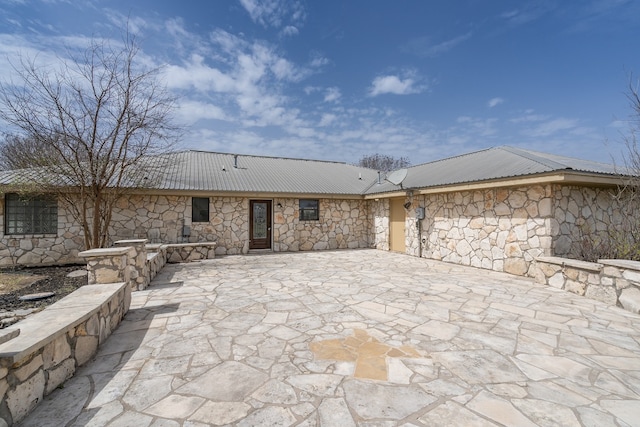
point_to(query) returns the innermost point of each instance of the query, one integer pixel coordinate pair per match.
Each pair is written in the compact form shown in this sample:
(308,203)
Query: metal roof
(222,172)
(493,163)
(207,171)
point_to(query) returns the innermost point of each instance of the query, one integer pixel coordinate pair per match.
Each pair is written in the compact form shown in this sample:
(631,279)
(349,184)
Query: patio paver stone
(355,338)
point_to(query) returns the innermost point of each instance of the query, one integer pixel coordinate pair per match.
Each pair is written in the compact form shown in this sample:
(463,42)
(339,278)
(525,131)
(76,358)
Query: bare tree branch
(86,129)
(383,162)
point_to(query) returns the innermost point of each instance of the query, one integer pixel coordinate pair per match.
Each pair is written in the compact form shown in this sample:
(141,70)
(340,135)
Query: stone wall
(502,229)
(379,212)
(580,211)
(39,249)
(343,224)
(614,282)
(162,218)
(157,218)
(53,343)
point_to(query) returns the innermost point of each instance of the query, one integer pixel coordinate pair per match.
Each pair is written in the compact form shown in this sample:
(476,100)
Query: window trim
(193,210)
(38,212)
(303,210)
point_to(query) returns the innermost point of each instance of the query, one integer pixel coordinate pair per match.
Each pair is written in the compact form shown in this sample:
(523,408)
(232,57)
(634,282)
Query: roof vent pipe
(235,161)
(379,177)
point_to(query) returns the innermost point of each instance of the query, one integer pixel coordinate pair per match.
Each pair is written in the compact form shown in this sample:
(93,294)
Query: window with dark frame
(30,214)
(199,209)
(309,209)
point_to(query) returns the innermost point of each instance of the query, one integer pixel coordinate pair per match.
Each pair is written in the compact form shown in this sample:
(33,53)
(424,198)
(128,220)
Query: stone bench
(186,252)
(53,343)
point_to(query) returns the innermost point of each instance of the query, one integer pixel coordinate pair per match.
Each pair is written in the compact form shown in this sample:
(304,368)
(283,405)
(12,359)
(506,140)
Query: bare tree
(17,152)
(86,130)
(627,239)
(383,162)
(623,240)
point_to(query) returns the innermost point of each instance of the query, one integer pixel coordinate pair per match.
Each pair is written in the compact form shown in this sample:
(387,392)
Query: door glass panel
(259,221)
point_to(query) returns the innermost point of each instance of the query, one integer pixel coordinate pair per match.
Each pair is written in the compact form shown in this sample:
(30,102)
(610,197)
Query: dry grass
(10,282)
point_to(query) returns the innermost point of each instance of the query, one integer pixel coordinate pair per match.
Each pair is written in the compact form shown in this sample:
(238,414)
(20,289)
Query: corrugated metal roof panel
(216,172)
(198,170)
(493,163)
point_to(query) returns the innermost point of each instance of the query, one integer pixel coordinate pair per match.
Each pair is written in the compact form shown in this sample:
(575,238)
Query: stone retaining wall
(614,282)
(53,343)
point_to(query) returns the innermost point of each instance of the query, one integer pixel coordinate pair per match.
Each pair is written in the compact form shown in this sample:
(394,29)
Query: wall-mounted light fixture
(279,205)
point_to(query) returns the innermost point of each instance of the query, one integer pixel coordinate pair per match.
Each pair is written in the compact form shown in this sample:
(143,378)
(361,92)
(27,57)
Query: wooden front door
(397,218)
(260,224)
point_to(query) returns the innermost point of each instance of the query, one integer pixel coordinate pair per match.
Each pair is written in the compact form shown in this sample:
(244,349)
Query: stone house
(496,209)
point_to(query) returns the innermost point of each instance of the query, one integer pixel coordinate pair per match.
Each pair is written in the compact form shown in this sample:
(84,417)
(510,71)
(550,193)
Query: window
(309,210)
(30,215)
(200,209)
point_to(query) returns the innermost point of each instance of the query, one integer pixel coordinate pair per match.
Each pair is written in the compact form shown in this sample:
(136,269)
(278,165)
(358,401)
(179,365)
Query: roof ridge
(264,157)
(530,155)
(449,158)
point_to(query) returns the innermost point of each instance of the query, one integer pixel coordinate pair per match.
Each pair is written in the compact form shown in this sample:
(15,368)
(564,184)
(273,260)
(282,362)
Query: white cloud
(394,85)
(529,12)
(494,102)
(317,60)
(274,13)
(311,89)
(290,30)
(529,116)
(327,119)
(424,46)
(190,111)
(332,94)
(134,24)
(552,126)
(196,74)
(247,77)
(472,127)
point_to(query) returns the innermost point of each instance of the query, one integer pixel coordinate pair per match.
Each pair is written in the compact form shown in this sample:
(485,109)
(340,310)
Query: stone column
(138,262)
(110,265)
(107,265)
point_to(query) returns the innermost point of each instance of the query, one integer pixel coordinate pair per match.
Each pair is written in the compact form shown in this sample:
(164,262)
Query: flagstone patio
(355,338)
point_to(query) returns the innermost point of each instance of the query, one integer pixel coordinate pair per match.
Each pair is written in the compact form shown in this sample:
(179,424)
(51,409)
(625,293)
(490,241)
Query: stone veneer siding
(343,224)
(582,211)
(502,229)
(380,218)
(37,249)
(505,229)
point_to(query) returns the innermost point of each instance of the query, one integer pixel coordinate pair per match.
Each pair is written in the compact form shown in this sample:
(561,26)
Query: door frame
(261,243)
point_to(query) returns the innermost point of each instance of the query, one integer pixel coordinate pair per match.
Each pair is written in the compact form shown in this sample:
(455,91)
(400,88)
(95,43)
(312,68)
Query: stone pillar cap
(131,241)
(100,252)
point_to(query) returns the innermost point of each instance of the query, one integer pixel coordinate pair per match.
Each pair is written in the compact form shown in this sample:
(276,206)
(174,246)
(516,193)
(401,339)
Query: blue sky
(336,80)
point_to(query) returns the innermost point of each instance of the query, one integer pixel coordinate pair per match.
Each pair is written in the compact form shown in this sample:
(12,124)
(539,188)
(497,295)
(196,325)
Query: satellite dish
(396,177)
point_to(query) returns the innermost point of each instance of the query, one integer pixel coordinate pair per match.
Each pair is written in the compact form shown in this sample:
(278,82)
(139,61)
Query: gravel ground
(55,280)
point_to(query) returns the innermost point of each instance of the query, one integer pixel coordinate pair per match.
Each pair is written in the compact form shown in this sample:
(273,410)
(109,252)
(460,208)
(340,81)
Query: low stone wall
(156,259)
(42,351)
(614,282)
(137,263)
(187,252)
(48,347)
